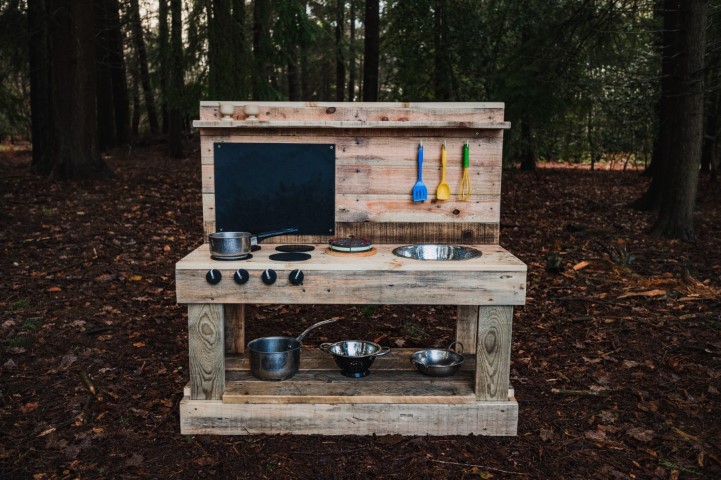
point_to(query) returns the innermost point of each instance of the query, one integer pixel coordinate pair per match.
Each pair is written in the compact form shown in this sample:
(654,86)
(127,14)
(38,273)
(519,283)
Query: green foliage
(14,88)
(579,78)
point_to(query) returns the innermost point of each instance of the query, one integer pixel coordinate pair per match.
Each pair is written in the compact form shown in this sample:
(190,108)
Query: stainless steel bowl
(429,251)
(437,362)
(354,357)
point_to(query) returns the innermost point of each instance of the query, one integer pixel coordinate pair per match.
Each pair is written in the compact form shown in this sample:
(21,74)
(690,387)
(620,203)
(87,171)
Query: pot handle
(305,332)
(460,347)
(275,233)
(325,347)
(383,351)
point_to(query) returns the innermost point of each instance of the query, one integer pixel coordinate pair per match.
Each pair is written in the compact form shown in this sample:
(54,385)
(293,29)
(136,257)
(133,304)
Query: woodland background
(616,357)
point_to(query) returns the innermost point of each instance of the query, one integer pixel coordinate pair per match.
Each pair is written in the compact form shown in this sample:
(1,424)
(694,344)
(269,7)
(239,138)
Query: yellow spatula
(443,192)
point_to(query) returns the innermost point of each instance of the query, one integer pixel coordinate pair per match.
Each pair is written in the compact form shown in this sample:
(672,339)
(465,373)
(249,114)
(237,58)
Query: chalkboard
(262,187)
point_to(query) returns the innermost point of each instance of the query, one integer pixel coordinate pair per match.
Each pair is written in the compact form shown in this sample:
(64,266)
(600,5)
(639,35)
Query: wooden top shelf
(256,124)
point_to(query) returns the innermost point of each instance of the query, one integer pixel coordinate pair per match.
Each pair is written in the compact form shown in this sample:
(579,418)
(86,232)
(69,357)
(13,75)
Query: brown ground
(616,357)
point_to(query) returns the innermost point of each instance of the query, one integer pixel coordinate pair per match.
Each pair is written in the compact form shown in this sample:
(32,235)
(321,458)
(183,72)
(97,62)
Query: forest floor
(616,358)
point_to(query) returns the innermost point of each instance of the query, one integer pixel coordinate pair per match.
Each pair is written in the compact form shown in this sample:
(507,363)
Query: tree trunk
(351,54)
(221,54)
(371,51)
(293,74)
(139,41)
(240,50)
(441,74)
(105,104)
(175,120)
(675,216)
(651,199)
(528,152)
(40,99)
(73,146)
(261,49)
(164,63)
(118,74)
(339,61)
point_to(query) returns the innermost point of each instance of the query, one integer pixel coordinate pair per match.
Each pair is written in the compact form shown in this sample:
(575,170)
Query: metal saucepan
(437,362)
(277,358)
(237,245)
(354,357)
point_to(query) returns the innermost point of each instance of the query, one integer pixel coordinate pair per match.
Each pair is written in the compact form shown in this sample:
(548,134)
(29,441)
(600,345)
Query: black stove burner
(295,248)
(240,257)
(349,244)
(290,257)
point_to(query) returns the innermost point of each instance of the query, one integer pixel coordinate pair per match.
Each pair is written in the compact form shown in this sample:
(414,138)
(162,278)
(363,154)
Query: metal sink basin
(437,252)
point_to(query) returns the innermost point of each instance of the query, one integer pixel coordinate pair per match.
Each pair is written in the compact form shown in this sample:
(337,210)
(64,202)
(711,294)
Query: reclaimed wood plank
(361,111)
(480,418)
(206,351)
(467,327)
(234,327)
(493,352)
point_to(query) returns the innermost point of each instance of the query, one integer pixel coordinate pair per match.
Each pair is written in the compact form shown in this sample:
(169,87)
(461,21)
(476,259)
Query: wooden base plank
(479,418)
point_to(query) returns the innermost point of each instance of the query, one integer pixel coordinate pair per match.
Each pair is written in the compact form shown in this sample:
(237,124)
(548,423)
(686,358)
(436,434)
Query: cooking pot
(277,358)
(354,357)
(437,362)
(237,245)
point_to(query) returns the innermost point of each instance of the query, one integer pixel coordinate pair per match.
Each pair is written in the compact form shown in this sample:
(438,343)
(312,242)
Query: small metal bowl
(440,252)
(437,362)
(354,357)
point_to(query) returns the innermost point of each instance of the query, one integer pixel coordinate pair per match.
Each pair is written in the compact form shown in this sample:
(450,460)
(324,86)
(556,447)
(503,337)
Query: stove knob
(296,277)
(241,276)
(213,276)
(269,277)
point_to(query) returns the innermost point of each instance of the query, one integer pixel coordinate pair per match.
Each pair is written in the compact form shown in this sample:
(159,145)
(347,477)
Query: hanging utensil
(464,190)
(420,192)
(443,192)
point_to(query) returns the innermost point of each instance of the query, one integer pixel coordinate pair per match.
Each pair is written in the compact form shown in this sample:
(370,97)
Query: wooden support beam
(493,352)
(206,355)
(467,327)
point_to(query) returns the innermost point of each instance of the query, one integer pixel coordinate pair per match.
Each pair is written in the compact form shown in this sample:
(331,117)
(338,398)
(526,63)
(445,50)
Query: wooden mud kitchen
(347,175)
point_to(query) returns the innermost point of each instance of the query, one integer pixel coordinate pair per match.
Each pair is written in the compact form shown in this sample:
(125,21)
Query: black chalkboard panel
(261,187)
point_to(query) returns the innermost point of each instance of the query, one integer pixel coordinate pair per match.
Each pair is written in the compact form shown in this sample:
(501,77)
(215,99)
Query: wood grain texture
(206,351)
(467,327)
(494,278)
(376,148)
(234,327)
(493,352)
(395,233)
(480,418)
(362,111)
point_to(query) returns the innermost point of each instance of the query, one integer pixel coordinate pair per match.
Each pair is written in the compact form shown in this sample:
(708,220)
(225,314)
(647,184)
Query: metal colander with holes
(354,357)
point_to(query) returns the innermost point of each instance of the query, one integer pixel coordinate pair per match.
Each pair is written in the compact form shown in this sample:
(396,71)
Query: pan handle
(305,332)
(383,351)
(459,345)
(275,233)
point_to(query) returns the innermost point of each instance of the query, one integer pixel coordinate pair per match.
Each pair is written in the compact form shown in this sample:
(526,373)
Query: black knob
(296,277)
(241,276)
(269,277)
(213,276)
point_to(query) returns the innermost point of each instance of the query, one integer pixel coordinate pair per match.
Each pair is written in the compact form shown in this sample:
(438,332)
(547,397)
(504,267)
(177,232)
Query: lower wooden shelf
(393,399)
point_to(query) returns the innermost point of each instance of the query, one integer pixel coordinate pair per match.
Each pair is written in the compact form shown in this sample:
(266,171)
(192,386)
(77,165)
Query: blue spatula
(420,192)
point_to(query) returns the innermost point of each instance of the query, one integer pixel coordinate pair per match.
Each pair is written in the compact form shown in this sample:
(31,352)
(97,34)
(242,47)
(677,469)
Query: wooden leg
(467,326)
(206,351)
(493,352)
(234,328)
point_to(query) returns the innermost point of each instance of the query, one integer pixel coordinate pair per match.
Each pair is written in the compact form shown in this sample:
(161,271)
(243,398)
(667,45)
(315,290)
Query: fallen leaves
(649,293)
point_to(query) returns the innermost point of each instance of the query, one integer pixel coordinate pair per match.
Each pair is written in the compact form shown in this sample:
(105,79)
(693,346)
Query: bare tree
(371,51)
